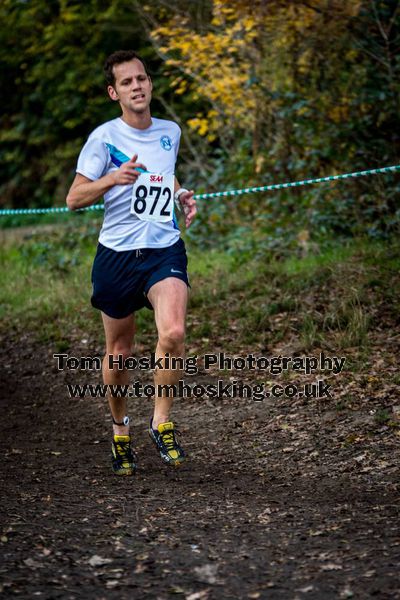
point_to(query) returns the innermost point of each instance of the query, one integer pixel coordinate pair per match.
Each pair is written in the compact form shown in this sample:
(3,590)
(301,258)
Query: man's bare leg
(119,340)
(169,300)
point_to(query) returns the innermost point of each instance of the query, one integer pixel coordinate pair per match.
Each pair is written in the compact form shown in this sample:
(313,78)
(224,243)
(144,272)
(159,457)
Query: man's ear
(151,83)
(112,93)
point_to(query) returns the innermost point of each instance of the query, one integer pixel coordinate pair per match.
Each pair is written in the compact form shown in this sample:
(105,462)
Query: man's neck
(137,120)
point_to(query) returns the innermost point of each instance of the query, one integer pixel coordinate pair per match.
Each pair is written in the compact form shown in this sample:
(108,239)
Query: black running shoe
(122,457)
(165,441)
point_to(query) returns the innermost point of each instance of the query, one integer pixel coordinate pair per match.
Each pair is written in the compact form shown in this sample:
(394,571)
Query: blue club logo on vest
(166,142)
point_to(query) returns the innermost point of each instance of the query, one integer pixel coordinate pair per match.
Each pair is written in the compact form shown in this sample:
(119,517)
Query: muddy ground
(282,498)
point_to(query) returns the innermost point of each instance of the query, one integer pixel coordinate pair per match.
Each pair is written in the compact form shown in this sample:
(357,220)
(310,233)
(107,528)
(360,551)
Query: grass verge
(329,300)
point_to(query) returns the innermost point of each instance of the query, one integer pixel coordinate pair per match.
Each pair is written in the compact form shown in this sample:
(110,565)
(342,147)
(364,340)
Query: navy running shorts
(121,280)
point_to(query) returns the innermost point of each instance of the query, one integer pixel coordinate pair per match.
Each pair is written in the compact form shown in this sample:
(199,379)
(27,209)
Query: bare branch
(378,22)
(393,19)
(318,10)
(374,56)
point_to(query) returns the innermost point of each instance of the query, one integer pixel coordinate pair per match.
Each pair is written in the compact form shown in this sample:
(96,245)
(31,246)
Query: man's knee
(172,339)
(117,354)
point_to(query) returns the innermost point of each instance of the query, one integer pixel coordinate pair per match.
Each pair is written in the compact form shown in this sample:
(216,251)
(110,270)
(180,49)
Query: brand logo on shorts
(175,271)
(166,142)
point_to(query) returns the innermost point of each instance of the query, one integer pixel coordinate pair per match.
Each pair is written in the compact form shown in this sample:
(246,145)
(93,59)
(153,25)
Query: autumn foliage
(264,92)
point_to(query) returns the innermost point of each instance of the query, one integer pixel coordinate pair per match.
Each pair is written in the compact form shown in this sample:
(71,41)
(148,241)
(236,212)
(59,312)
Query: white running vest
(106,149)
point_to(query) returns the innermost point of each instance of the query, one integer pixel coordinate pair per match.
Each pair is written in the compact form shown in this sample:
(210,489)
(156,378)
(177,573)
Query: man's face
(132,86)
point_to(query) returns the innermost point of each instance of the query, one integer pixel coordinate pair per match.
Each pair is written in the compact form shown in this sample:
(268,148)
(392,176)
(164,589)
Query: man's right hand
(84,191)
(127,173)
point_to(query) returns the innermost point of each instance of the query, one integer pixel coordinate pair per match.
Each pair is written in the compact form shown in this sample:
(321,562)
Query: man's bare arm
(85,192)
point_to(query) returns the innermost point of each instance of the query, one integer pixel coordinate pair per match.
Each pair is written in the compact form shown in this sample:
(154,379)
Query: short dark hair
(116,58)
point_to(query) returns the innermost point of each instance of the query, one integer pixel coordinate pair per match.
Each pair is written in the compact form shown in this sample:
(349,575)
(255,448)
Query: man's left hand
(188,206)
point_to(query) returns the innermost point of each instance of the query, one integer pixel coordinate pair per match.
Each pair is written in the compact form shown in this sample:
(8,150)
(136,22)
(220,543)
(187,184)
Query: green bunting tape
(41,211)
(250,190)
(281,186)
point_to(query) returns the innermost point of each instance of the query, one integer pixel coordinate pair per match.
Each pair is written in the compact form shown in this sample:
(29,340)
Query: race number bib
(153,197)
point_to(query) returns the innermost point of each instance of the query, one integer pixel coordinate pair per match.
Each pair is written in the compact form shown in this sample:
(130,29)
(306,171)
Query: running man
(141,259)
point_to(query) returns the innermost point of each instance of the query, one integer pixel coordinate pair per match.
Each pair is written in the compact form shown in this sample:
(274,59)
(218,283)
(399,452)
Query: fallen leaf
(140,568)
(33,564)
(331,567)
(307,588)
(207,573)
(198,595)
(98,561)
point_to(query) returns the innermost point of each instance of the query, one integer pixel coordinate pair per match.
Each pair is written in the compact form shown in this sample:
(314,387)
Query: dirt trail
(279,499)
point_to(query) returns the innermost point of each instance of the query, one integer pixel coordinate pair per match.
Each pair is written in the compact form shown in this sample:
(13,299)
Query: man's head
(117,58)
(128,81)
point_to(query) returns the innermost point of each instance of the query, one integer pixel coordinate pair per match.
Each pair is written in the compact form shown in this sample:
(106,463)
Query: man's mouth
(138,97)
